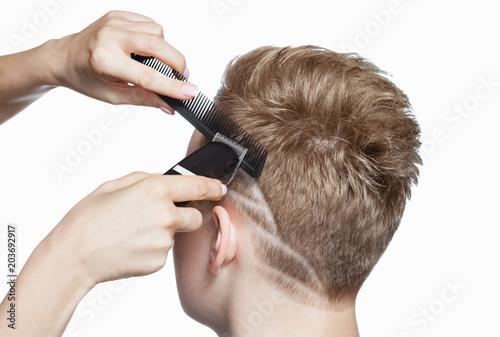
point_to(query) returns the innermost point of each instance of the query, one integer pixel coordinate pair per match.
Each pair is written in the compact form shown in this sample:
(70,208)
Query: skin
(220,286)
(124,228)
(95,62)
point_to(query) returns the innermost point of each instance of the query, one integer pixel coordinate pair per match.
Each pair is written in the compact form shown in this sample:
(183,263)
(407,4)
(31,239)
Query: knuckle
(139,173)
(142,97)
(171,86)
(146,189)
(202,188)
(145,99)
(113,16)
(149,186)
(168,243)
(114,99)
(172,220)
(146,77)
(160,263)
(158,29)
(110,14)
(156,189)
(106,186)
(114,22)
(164,215)
(154,42)
(98,59)
(103,35)
(190,218)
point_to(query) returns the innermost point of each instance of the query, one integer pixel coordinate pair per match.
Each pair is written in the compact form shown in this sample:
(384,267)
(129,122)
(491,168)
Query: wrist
(51,285)
(58,252)
(26,76)
(50,61)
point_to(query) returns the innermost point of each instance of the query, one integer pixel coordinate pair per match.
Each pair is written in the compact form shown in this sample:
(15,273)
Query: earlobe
(226,245)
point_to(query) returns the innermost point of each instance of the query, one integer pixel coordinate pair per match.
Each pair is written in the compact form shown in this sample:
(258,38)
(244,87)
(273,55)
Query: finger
(190,220)
(146,27)
(131,71)
(146,44)
(125,181)
(128,16)
(190,188)
(136,95)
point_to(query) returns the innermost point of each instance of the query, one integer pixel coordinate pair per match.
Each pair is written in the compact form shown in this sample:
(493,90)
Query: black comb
(208,119)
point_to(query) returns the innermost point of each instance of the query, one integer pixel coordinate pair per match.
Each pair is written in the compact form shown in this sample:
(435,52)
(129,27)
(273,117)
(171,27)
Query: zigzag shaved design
(256,209)
(286,249)
(290,284)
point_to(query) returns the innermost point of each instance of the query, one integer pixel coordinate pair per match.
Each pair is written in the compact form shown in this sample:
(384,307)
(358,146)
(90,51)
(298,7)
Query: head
(342,152)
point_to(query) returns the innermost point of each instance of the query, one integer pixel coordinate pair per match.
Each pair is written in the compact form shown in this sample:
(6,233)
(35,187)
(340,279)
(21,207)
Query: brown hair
(343,148)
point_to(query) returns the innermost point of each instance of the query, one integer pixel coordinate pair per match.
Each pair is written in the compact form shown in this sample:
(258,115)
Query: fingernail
(189,90)
(167,110)
(186,74)
(158,173)
(224,190)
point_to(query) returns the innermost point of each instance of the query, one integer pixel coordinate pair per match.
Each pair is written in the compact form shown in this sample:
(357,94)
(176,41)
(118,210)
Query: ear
(226,244)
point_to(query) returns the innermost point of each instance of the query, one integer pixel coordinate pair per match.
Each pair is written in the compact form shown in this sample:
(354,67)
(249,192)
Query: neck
(276,314)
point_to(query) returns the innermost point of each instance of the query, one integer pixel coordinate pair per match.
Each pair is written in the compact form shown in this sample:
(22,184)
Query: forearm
(25,77)
(48,289)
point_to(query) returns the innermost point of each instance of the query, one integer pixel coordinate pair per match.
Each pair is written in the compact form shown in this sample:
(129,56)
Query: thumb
(136,95)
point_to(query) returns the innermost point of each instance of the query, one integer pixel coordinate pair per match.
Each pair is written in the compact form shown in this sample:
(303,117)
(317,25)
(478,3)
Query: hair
(342,147)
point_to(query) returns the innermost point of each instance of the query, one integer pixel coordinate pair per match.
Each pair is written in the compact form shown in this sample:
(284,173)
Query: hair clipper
(219,159)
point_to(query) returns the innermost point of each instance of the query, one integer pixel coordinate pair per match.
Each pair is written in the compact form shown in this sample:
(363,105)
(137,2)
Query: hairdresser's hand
(96,62)
(126,226)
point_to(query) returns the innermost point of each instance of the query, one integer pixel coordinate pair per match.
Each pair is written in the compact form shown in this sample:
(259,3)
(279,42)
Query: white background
(438,52)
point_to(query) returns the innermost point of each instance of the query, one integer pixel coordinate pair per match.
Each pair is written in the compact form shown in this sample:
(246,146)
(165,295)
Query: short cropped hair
(343,153)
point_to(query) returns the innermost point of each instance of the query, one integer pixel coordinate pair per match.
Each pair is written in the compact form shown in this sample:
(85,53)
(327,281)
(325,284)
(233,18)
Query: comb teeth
(209,120)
